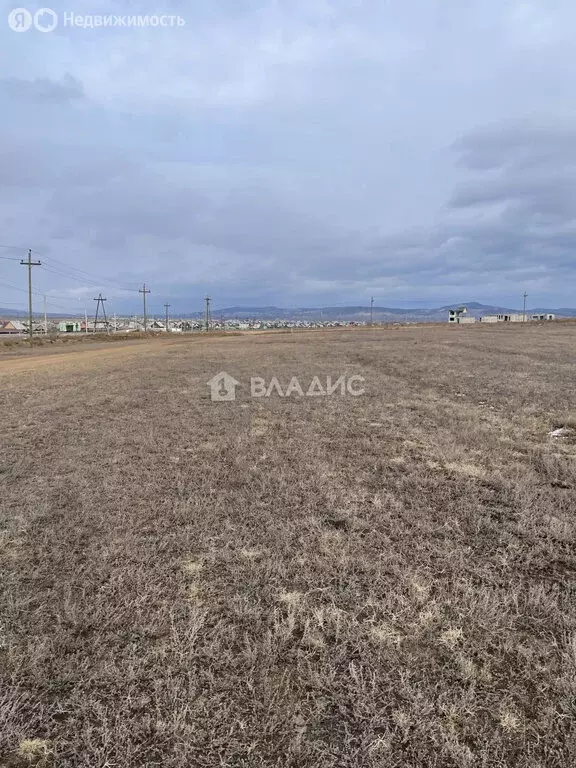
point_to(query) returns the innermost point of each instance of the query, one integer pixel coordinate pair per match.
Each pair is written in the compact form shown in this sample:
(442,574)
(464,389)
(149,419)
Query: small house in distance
(539,318)
(70,326)
(12,326)
(459,316)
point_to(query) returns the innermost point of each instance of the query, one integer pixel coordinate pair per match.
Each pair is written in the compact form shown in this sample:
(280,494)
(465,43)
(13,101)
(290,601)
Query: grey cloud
(259,238)
(41,90)
(521,144)
(244,220)
(549,193)
(55,166)
(535,190)
(499,225)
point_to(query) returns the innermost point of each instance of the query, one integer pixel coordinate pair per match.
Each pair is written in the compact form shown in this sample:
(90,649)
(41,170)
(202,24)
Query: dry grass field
(331,582)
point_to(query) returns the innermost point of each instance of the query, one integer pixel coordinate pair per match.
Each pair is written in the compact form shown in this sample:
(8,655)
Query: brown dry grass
(13,346)
(379,581)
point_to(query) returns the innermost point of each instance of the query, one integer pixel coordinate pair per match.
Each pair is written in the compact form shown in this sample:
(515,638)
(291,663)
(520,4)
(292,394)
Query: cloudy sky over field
(293,152)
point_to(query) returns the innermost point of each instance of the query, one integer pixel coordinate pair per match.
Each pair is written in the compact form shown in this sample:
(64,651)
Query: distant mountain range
(351,313)
(380,314)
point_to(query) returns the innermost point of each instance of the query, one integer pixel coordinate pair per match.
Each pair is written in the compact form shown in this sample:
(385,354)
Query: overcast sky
(293,152)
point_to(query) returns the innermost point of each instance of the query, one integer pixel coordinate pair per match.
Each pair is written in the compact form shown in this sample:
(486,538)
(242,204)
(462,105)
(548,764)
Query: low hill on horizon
(357,313)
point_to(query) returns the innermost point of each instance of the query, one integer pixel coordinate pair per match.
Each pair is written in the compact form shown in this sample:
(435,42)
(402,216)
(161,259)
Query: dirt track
(77,356)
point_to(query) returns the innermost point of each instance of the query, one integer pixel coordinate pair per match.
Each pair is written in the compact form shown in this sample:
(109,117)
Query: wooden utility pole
(45,319)
(207,313)
(372,310)
(166,307)
(30,264)
(143,291)
(524,307)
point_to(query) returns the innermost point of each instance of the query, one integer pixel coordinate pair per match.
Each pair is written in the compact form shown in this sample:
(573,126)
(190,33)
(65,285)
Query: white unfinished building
(459,316)
(516,317)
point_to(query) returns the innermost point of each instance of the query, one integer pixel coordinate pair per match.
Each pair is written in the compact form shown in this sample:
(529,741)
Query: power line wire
(85,281)
(81,273)
(39,294)
(16,288)
(62,269)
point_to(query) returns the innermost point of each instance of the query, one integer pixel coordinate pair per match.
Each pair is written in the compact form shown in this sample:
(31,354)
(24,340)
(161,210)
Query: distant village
(135,324)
